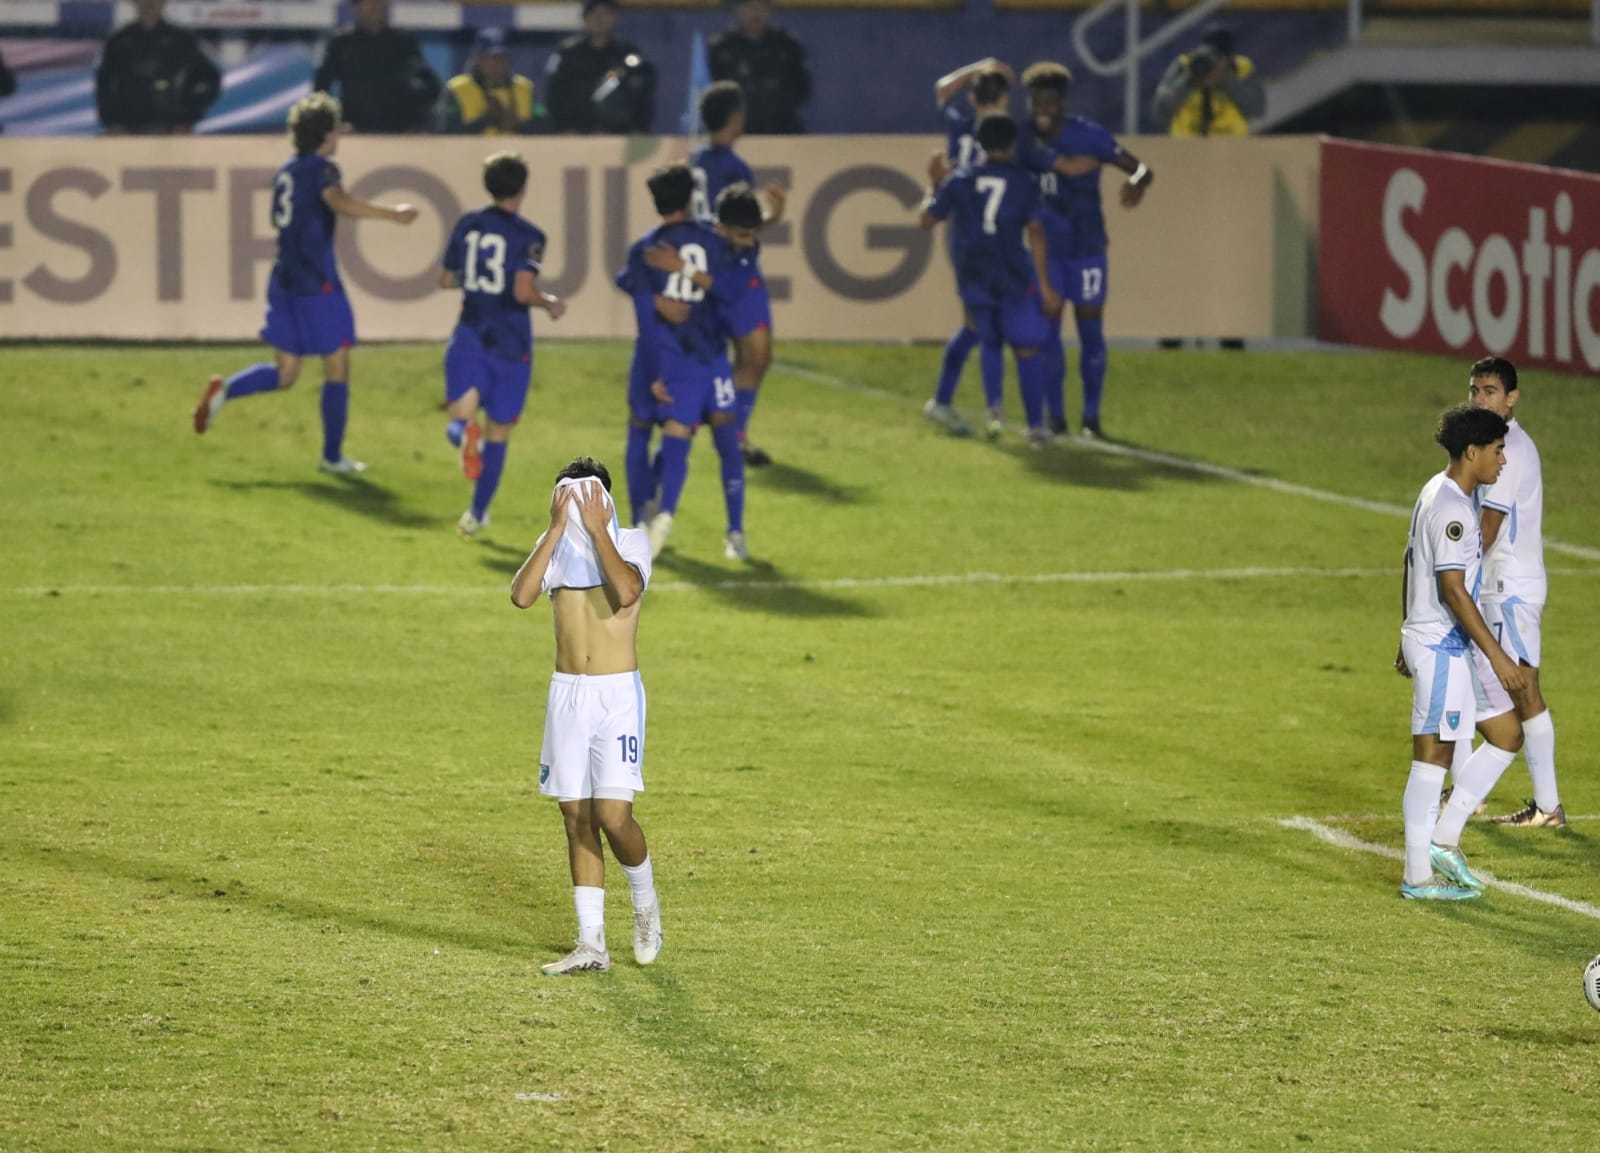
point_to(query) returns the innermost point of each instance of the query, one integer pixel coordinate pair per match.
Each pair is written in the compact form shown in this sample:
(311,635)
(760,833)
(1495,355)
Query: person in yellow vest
(1210,91)
(489,99)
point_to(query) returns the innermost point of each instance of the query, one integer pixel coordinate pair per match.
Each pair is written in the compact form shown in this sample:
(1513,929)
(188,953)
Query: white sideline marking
(1184,463)
(1346,840)
(914,581)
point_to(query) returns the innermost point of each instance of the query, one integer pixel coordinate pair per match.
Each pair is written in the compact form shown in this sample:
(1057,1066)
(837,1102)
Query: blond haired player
(1443,571)
(592,761)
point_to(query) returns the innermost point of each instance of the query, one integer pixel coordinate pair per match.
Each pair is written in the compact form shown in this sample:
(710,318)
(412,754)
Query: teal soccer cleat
(1436,888)
(1451,862)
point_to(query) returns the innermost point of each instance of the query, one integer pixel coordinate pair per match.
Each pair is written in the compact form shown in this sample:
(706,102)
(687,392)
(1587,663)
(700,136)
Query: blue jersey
(960,145)
(486,251)
(988,208)
(715,167)
(700,338)
(1074,200)
(305,265)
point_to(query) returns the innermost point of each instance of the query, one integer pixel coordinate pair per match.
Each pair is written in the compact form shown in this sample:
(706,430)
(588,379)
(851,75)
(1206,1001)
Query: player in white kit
(1443,572)
(1511,514)
(592,761)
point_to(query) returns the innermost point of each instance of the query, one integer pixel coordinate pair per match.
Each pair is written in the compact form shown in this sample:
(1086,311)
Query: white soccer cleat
(584,959)
(947,417)
(1038,439)
(469,525)
(211,402)
(647,934)
(660,530)
(736,547)
(344,466)
(995,428)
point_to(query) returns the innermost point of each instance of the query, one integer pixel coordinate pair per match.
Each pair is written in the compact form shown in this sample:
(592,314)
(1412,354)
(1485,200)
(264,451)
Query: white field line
(1345,818)
(1344,840)
(1184,463)
(915,580)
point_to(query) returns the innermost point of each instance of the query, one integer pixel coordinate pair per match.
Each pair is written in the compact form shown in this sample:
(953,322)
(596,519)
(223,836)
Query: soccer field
(967,801)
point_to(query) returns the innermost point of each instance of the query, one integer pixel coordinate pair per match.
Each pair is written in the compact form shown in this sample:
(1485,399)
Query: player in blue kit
(307,311)
(1003,274)
(1076,228)
(493,256)
(683,282)
(987,86)
(716,167)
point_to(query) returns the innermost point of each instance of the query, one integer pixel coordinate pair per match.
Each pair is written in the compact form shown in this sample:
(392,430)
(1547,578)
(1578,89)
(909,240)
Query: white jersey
(1515,564)
(1444,536)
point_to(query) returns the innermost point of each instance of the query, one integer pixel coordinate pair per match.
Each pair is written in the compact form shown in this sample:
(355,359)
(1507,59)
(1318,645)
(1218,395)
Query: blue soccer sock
(992,363)
(1033,374)
(641,478)
(744,402)
(455,432)
(256,378)
(1055,390)
(674,461)
(726,439)
(956,351)
(335,413)
(1092,336)
(494,463)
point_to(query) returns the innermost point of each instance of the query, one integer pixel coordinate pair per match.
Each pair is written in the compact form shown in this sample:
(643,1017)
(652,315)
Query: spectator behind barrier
(1210,91)
(769,64)
(384,83)
(489,99)
(8,84)
(152,78)
(598,84)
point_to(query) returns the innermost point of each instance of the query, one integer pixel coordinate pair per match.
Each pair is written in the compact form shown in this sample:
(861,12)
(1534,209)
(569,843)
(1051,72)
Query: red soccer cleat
(472,451)
(210,401)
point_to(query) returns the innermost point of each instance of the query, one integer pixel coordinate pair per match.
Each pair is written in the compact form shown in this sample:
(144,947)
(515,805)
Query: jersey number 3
(993,189)
(486,262)
(282,200)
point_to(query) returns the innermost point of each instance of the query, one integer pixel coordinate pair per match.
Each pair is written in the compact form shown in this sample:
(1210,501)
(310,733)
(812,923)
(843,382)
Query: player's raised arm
(773,199)
(344,204)
(529,581)
(1453,592)
(948,86)
(623,583)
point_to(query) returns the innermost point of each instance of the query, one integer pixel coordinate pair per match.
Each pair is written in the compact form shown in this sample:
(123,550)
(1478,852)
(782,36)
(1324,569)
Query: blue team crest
(1453,720)
(544,770)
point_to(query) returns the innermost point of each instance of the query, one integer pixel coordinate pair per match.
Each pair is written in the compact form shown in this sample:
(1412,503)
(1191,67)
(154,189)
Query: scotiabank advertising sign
(1454,254)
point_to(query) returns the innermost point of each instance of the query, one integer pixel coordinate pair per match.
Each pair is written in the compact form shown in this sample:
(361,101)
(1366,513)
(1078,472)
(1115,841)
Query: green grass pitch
(973,865)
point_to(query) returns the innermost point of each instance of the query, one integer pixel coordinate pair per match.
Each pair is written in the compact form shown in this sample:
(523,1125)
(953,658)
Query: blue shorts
(752,311)
(642,403)
(502,384)
(1019,322)
(1080,281)
(308,325)
(698,390)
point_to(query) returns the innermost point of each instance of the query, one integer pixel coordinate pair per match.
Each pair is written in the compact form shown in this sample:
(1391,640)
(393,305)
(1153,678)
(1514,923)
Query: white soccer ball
(1591,984)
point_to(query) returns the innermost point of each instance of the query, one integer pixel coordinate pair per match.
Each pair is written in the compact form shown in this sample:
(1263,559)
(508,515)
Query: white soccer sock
(1539,746)
(1458,759)
(1420,808)
(1475,782)
(591,903)
(642,883)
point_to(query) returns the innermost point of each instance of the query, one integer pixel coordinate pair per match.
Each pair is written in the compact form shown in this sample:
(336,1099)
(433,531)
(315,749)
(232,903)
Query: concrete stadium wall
(169,238)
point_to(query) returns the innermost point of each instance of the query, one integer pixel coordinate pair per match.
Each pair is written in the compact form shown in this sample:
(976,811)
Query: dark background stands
(769,64)
(8,84)
(384,83)
(598,83)
(153,78)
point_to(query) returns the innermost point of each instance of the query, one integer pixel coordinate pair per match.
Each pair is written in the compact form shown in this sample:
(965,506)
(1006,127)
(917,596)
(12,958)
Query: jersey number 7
(993,189)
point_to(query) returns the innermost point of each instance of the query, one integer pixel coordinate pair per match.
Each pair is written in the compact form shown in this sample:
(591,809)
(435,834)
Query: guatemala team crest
(1451,719)
(544,773)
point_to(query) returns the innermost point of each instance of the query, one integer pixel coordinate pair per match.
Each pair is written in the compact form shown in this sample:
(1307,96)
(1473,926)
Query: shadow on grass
(760,586)
(804,482)
(350,493)
(500,558)
(1101,467)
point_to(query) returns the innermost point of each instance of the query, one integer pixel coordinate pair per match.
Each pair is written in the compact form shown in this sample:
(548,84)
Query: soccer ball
(1591,983)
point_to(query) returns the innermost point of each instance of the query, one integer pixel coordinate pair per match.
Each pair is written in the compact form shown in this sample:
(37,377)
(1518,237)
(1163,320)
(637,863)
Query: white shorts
(1515,625)
(1491,698)
(593,738)
(1443,691)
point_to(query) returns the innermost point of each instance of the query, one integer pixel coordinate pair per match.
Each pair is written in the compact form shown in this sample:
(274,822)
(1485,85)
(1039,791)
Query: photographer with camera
(599,84)
(1210,91)
(153,79)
